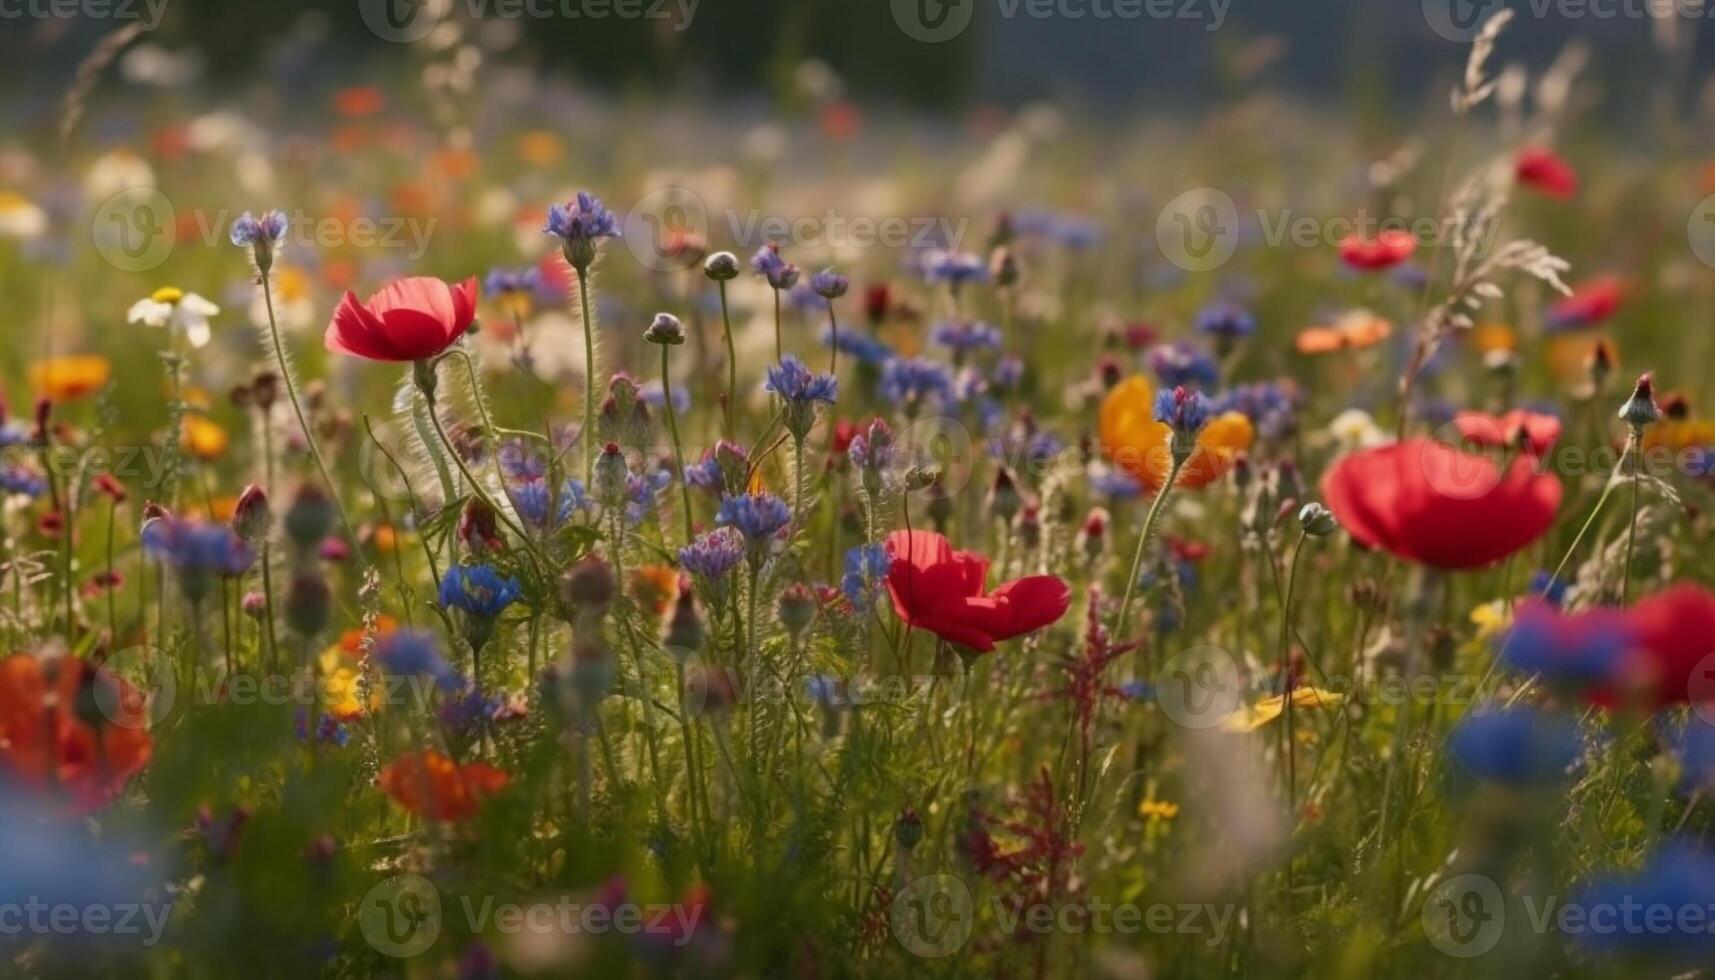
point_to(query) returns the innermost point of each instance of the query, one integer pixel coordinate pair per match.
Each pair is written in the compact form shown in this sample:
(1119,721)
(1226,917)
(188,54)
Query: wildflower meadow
(461,519)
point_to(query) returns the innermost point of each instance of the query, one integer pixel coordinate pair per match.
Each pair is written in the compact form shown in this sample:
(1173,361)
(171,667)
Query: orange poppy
(358,101)
(655,586)
(1139,445)
(1354,330)
(47,743)
(64,379)
(431,785)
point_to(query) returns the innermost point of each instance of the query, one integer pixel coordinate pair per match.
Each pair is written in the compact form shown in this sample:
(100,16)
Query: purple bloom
(1187,411)
(793,381)
(712,555)
(1270,406)
(501,281)
(866,348)
(829,284)
(415,653)
(531,498)
(866,568)
(582,220)
(912,381)
(478,590)
(1183,364)
(757,516)
(1227,322)
(1513,747)
(249,229)
(954,268)
(769,264)
(966,336)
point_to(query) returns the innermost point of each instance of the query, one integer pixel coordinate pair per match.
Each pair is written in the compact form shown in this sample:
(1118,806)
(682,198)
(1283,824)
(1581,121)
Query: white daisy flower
(177,310)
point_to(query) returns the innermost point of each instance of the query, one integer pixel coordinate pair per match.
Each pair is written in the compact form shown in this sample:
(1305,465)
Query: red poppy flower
(1388,249)
(1537,431)
(431,785)
(1430,503)
(410,320)
(1676,636)
(47,743)
(1543,170)
(1591,302)
(944,591)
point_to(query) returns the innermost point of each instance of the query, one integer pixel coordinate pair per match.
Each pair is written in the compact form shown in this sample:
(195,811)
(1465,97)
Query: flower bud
(721,266)
(685,633)
(310,518)
(797,609)
(254,604)
(908,828)
(611,474)
(252,518)
(1317,520)
(309,604)
(588,586)
(1640,409)
(666,330)
(1004,500)
(478,530)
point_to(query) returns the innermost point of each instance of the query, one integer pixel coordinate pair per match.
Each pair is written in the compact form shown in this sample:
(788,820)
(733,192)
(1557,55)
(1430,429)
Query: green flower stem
(1149,520)
(678,450)
(291,386)
(587,435)
(1286,672)
(731,367)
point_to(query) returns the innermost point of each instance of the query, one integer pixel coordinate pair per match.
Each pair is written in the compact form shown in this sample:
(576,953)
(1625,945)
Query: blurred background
(1165,56)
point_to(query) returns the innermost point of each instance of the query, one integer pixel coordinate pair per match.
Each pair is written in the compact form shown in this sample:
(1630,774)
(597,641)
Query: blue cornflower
(713,554)
(1009,372)
(866,348)
(1660,911)
(1225,321)
(16,479)
(1185,410)
(1514,747)
(501,281)
(963,337)
(912,382)
(954,268)
(197,546)
(757,516)
(872,449)
(478,590)
(795,382)
(1114,484)
(1692,742)
(866,567)
(654,396)
(641,490)
(1271,406)
(805,299)
(465,713)
(531,499)
(269,229)
(772,266)
(830,285)
(706,475)
(580,224)
(328,729)
(1578,651)
(415,653)
(1183,364)
(1551,589)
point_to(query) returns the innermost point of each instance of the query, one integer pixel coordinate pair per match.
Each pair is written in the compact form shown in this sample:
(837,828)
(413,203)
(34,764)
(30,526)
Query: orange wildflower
(204,438)
(65,379)
(1138,444)
(47,743)
(655,586)
(1353,330)
(431,785)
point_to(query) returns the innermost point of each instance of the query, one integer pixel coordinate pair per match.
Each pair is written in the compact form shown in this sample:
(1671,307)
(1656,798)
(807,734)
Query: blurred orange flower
(64,379)
(358,101)
(1350,331)
(1138,444)
(46,743)
(655,586)
(204,438)
(431,785)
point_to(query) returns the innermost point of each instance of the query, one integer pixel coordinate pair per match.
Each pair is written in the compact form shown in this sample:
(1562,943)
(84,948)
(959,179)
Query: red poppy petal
(1029,604)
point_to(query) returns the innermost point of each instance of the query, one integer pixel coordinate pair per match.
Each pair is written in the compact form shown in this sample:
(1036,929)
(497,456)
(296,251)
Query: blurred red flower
(1430,503)
(1543,170)
(47,742)
(1387,249)
(945,592)
(1676,636)
(1591,302)
(1538,431)
(409,320)
(431,785)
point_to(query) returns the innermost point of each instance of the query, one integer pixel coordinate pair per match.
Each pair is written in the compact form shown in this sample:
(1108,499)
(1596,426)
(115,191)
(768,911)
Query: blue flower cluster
(249,229)
(478,590)
(415,653)
(1183,364)
(757,516)
(1185,410)
(531,498)
(866,568)
(963,336)
(713,554)
(1518,747)
(582,220)
(795,382)
(913,382)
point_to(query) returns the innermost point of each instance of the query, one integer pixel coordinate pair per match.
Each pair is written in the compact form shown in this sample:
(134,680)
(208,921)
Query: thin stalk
(1149,520)
(587,435)
(678,450)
